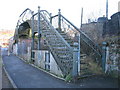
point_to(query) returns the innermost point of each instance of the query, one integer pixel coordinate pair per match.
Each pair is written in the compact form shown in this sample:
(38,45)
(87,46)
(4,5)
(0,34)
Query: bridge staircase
(63,38)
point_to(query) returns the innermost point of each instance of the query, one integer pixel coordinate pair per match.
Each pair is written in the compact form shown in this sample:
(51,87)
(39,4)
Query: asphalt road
(26,76)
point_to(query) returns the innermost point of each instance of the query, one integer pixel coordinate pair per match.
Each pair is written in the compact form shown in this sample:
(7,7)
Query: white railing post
(75,60)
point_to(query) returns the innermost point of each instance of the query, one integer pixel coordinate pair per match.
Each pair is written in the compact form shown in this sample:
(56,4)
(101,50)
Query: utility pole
(32,30)
(107,8)
(81,17)
(119,6)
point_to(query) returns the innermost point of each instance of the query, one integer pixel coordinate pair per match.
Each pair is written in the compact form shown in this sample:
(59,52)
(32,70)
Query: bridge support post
(32,45)
(51,18)
(75,61)
(47,61)
(79,54)
(104,56)
(39,34)
(59,19)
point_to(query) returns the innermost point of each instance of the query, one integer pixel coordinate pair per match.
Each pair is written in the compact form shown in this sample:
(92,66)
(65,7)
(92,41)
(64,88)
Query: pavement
(24,75)
(5,80)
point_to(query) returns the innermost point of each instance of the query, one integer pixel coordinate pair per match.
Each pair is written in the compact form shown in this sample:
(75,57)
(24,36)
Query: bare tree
(93,16)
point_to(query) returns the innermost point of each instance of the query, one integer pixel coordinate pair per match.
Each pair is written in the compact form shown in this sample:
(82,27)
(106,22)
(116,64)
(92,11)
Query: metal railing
(84,37)
(70,29)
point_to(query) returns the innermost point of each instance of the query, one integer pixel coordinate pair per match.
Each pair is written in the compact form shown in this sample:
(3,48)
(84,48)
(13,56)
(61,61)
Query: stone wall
(113,62)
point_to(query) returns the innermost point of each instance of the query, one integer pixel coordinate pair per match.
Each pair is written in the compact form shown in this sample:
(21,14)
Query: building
(4,37)
(112,26)
(103,27)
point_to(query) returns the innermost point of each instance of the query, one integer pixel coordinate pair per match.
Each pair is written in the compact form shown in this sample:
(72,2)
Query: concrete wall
(29,54)
(54,67)
(43,58)
(39,58)
(51,65)
(23,48)
(15,49)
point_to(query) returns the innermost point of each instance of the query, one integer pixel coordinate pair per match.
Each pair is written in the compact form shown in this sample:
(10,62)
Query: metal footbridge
(67,43)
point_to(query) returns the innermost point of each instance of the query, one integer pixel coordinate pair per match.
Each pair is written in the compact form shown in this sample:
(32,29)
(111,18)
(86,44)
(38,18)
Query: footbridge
(68,44)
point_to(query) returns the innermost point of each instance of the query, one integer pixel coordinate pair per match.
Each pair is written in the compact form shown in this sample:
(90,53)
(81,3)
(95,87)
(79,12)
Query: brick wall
(93,30)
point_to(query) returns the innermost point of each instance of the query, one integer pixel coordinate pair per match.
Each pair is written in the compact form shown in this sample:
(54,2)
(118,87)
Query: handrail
(96,47)
(53,27)
(76,28)
(25,11)
(54,16)
(42,11)
(19,22)
(58,33)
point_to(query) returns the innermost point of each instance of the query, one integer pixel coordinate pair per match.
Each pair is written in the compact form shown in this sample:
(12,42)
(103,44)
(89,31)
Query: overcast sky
(71,9)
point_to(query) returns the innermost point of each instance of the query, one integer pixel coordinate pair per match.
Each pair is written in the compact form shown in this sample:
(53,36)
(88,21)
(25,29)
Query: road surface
(27,76)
